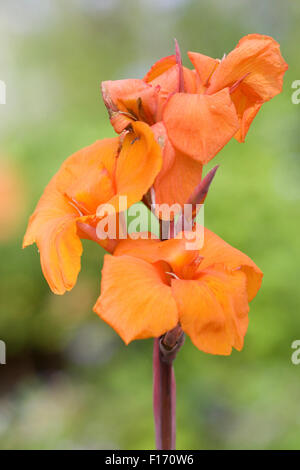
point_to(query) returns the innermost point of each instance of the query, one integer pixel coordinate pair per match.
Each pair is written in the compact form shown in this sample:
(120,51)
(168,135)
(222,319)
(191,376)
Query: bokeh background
(69,381)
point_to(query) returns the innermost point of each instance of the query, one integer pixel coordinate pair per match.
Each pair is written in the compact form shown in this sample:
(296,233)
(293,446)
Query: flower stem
(164,387)
(164,400)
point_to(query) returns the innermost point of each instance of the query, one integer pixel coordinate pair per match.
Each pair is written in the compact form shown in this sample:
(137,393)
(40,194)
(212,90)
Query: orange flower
(229,94)
(150,286)
(194,113)
(98,174)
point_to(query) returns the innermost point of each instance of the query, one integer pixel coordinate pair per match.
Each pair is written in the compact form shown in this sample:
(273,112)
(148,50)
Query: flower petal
(77,188)
(257,64)
(204,65)
(138,164)
(246,108)
(177,184)
(86,177)
(213,310)
(53,228)
(200,125)
(258,59)
(179,175)
(134,300)
(216,250)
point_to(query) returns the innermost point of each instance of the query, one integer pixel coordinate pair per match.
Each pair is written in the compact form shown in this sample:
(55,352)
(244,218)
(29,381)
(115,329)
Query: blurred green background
(69,381)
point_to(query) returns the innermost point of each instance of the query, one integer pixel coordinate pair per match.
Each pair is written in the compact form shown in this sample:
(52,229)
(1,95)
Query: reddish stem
(164,400)
(164,386)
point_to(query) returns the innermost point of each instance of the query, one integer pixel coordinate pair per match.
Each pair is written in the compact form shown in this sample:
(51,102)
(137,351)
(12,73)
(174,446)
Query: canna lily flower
(229,94)
(96,175)
(194,113)
(149,286)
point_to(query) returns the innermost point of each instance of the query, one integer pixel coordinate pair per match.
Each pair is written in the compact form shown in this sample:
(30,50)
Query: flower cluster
(169,124)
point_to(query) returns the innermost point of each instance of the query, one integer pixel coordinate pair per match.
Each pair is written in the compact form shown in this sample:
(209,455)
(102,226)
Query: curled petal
(53,228)
(120,120)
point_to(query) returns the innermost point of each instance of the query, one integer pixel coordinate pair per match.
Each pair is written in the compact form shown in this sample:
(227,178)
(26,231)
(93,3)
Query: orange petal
(257,63)
(213,310)
(120,120)
(138,164)
(246,108)
(160,67)
(179,175)
(87,176)
(77,189)
(216,250)
(95,188)
(258,59)
(140,248)
(177,184)
(200,125)
(129,100)
(204,65)
(161,138)
(53,228)
(134,300)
